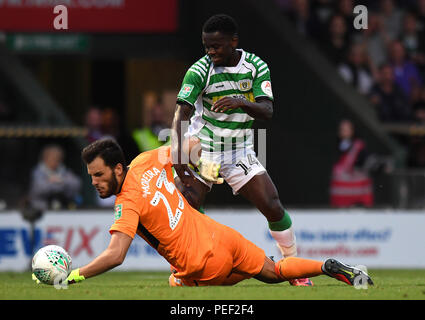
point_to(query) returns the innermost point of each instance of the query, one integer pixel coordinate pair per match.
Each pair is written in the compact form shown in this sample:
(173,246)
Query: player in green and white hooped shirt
(221,95)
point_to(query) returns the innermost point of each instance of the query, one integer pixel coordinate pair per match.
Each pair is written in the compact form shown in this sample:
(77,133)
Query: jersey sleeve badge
(266,86)
(117,211)
(186,90)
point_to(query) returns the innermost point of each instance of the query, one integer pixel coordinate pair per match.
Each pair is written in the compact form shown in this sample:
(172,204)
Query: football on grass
(51,264)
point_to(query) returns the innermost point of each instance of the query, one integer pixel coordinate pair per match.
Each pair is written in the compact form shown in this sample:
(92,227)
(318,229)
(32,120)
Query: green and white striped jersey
(205,83)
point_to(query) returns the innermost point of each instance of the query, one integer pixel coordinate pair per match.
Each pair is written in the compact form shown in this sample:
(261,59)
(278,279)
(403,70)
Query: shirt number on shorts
(170,187)
(244,167)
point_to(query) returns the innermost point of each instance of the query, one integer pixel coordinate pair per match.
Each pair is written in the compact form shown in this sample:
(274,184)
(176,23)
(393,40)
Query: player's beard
(112,187)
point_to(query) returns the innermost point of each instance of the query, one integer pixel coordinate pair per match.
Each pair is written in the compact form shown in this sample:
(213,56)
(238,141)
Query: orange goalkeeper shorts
(234,259)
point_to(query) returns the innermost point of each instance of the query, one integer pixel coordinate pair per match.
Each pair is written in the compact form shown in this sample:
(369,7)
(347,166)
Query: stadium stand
(384,62)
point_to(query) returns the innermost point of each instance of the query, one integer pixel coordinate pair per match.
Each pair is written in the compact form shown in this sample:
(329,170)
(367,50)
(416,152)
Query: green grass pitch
(389,285)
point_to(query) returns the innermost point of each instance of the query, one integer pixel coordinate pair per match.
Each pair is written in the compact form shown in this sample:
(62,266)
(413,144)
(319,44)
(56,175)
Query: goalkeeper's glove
(35,279)
(75,276)
(209,170)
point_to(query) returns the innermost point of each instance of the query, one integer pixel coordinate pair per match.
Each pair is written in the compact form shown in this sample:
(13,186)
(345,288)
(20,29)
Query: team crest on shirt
(117,211)
(245,84)
(186,90)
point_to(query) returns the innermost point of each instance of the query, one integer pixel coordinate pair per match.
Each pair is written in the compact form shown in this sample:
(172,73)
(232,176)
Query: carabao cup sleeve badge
(117,211)
(185,91)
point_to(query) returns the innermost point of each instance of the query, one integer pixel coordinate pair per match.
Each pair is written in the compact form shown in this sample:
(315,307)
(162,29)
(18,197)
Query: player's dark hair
(107,149)
(222,23)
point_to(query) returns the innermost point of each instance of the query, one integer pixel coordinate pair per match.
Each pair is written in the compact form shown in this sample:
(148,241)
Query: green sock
(284,235)
(283,224)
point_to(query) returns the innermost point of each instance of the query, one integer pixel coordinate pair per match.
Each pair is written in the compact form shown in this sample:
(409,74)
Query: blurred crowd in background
(385,59)
(52,184)
(384,62)
(157,115)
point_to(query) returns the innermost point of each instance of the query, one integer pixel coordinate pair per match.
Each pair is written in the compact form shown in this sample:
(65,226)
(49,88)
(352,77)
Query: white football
(51,264)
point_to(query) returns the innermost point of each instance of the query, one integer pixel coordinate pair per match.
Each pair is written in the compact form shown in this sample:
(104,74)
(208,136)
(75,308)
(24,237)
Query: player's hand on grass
(209,170)
(227,103)
(75,277)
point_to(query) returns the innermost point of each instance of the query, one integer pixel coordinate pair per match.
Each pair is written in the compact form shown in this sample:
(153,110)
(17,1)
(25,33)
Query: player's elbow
(266,110)
(268,114)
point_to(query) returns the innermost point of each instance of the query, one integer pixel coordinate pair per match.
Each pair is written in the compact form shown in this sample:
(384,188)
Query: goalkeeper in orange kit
(200,250)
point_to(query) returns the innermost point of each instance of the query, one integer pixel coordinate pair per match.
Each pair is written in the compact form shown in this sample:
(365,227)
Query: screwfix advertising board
(376,239)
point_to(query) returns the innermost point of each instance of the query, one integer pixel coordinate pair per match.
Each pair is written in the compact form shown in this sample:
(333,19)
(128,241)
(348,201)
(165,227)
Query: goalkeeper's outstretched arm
(112,257)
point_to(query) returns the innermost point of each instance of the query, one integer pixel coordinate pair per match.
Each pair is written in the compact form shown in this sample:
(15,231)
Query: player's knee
(275,209)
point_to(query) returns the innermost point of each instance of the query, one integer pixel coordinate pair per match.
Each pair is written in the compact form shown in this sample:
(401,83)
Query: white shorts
(237,167)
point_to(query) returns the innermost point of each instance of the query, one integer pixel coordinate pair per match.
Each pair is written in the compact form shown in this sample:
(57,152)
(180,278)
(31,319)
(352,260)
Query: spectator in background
(53,185)
(350,183)
(390,102)
(304,21)
(413,41)
(153,122)
(345,9)
(158,122)
(93,123)
(112,128)
(406,73)
(391,17)
(375,39)
(336,40)
(356,69)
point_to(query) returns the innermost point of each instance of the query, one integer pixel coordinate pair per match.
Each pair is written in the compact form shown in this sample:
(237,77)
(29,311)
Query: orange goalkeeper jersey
(150,205)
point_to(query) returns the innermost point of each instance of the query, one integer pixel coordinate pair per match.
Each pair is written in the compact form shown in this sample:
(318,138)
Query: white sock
(286,242)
